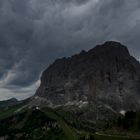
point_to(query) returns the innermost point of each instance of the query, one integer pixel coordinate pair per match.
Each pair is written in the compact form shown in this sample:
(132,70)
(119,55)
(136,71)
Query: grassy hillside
(20,123)
(37,124)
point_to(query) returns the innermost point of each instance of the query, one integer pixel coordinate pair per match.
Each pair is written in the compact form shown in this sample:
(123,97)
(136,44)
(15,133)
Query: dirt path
(118,136)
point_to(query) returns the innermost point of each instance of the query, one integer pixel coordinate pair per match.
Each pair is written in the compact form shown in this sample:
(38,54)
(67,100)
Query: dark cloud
(35,32)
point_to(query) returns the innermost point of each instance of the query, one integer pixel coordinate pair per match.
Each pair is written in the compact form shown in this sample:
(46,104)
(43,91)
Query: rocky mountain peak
(109,51)
(106,76)
(111,47)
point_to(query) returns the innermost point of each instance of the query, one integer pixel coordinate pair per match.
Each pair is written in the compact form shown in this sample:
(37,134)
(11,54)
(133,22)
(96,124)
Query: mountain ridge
(9,102)
(91,95)
(103,79)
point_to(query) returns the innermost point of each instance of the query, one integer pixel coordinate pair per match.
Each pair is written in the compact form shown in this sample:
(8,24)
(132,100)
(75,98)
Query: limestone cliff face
(106,75)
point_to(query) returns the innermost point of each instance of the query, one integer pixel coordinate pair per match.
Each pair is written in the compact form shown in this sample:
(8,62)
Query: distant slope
(8,103)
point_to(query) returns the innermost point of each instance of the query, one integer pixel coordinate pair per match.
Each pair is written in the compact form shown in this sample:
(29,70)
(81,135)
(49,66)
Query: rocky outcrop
(106,76)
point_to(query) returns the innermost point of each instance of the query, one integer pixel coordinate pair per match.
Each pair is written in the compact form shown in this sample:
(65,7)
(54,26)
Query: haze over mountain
(33,33)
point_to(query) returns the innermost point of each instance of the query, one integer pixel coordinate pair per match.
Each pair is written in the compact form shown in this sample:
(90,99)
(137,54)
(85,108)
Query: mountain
(9,102)
(104,80)
(91,95)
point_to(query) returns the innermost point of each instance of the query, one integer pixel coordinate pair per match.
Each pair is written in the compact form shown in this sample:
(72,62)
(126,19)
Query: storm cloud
(33,33)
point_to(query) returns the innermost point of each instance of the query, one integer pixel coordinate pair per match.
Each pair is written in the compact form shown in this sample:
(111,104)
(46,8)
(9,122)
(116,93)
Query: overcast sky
(33,33)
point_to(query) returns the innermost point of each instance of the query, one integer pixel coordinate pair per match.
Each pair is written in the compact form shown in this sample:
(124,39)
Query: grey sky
(35,32)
